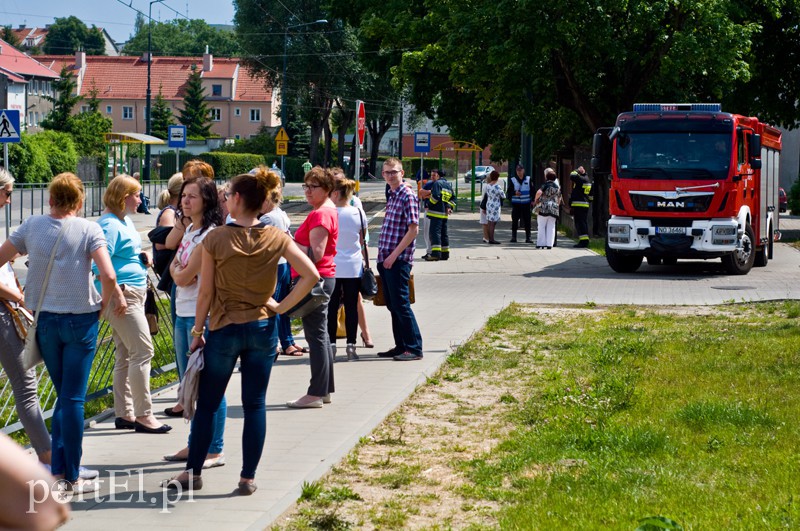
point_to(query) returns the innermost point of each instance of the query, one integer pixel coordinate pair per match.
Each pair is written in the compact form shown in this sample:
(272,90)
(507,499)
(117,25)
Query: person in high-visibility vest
(441,202)
(579,202)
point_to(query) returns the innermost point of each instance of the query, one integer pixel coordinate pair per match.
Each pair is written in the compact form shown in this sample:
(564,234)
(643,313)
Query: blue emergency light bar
(660,107)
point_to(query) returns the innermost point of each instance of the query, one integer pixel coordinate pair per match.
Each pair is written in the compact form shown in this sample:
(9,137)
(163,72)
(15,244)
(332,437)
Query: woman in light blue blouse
(134,347)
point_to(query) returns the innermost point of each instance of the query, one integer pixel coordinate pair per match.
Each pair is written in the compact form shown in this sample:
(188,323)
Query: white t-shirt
(186,297)
(277,218)
(349,262)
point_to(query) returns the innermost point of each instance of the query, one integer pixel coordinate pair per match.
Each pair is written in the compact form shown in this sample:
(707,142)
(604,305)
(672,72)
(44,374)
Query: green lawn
(589,418)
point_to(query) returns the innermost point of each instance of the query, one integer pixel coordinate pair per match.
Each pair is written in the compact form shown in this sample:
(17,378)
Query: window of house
(216,114)
(30,118)
(237,111)
(84,108)
(237,137)
(216,90)
(109,109)
(36,118)
(127,113)
(255,115)
(144,114)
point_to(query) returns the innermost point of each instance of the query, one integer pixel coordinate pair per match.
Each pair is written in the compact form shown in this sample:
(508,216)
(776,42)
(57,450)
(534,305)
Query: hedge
(228,165)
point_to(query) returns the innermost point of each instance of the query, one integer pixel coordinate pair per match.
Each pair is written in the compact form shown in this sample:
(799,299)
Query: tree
(181,37)
(8,35)
(68,35)
(317,59)
(64,99)
(162,116)
(489,69)
(195,114)
(87,130)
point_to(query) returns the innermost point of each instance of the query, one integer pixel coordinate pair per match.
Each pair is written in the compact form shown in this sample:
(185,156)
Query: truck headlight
(619,233)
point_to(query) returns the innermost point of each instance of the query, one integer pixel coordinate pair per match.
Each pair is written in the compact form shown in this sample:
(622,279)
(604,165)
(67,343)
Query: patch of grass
(399,476)
(598,418)
(311,491)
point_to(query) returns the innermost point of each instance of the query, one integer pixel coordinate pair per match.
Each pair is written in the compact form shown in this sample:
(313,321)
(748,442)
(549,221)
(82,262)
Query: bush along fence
(101,376)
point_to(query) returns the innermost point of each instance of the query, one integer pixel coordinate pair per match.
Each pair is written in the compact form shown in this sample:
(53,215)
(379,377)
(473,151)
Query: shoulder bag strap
(49,269)
(364,248)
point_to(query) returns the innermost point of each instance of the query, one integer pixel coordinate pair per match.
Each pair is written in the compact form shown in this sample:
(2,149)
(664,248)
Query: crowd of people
(209,243)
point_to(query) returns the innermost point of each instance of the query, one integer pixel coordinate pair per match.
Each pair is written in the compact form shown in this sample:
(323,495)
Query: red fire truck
(689,181)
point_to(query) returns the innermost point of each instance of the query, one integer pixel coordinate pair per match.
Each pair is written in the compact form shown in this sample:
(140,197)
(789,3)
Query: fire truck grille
(652,203)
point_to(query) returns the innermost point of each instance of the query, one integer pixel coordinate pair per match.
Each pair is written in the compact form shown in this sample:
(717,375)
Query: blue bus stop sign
(176,136)
(9,125)
(422,142)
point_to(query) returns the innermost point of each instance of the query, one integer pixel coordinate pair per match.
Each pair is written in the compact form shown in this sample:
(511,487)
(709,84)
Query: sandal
(293,350)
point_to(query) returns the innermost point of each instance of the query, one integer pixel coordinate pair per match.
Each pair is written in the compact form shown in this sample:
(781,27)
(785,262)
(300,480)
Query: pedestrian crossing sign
(9,125)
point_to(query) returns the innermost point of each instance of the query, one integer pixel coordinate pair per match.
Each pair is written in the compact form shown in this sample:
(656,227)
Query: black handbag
(369,285)
(313,298)
(310,302)
(151,309)
(162,258)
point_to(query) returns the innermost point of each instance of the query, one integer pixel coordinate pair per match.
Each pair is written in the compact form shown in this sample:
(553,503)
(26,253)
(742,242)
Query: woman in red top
(317,237)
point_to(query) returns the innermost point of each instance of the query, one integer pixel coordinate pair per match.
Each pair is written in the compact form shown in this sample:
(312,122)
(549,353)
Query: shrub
(59,149)
(230,164)
(27,160)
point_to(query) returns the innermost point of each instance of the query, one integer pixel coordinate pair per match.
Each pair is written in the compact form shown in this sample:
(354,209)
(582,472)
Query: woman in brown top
(238,275)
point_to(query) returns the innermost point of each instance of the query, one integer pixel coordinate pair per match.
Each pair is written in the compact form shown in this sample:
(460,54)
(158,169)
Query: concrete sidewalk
(454,299)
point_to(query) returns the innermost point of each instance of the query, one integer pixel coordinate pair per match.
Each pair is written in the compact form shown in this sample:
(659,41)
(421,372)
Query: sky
(114,16)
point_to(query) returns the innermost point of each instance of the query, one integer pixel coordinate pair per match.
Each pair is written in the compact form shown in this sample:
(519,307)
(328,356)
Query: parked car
(481,172)
(783,201)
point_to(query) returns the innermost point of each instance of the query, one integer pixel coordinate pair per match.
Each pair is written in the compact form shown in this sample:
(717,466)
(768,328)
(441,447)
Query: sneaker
(82,486)
(407,356)
(430,258)
(391,353)
(83,472)
(326,399)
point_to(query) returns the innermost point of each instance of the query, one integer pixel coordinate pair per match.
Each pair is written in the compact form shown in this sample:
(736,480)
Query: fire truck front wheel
(623,263)
(740,262)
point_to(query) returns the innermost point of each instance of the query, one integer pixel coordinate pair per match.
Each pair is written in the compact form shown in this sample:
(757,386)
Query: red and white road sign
(361,121)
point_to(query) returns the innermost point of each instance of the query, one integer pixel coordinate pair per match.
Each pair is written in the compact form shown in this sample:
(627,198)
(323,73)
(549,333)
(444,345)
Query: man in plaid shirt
(395,255)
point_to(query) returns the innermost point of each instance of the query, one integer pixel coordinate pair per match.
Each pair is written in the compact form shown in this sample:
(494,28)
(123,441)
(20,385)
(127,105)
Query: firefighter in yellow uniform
(440,199)
(579,201)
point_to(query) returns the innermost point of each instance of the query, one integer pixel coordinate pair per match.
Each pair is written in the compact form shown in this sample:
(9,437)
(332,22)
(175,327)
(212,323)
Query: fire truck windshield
(673,155)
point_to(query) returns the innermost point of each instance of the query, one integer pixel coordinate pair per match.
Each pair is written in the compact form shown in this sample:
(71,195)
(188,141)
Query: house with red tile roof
(239,103)
(33,38)
(24,84)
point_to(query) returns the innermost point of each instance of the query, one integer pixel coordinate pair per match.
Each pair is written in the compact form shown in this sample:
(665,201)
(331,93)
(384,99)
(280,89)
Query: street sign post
(176,138)
(282,147)
(361,127)
(9,132)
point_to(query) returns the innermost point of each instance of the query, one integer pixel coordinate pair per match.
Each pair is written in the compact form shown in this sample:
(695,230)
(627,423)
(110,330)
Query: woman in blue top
(134,346)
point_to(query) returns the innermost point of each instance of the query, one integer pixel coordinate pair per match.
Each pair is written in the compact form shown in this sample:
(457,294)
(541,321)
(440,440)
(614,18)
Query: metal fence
(34,198)
(102,373)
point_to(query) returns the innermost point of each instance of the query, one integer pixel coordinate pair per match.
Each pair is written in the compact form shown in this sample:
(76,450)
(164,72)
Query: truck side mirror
(754,150)
(601,151)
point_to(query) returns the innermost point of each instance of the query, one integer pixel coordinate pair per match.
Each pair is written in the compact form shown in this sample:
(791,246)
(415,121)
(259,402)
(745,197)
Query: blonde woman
(68,321)
(134,346)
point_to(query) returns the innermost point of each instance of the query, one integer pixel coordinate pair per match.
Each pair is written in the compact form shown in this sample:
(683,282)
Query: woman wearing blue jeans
(200,203)
(242,326)
(68,321)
